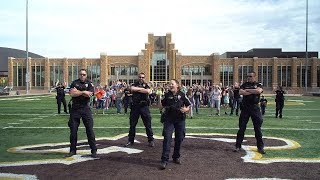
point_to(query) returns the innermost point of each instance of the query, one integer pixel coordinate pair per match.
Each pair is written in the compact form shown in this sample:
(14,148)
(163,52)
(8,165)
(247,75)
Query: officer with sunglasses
(140,107)
(81,90)
(251,91)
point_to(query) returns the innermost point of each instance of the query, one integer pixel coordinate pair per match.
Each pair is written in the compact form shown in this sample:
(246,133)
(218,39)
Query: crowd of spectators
(215,97)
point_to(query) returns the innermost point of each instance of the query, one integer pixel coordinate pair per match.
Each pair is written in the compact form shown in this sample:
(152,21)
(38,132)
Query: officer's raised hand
(184,109)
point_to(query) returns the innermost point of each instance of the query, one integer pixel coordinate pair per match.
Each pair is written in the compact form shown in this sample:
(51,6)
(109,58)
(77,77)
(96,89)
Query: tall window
(243,71)
(73,72)
(284,76)
(93,71)
(37,75)
(301,74)
(196,74)
(19,75)
(56,74)
(127,74)
(133,70)
(226,75)
(159,67)
(265,75)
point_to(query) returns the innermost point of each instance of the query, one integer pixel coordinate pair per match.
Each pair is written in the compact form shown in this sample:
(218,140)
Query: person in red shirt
(100,95)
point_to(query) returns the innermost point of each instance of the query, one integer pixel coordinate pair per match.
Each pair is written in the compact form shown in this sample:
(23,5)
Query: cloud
(83,28)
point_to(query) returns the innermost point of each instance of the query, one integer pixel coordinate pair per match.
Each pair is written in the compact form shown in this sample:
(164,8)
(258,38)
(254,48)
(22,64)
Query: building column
(47,84)
(83,63)
(10,71)
(174,71)
(30,73)
(65,71)
(274,73)
(235,70)
(314,72)
(178,66)
(255,67)
(216,69)
(144,64)
(294,82)
(104,69)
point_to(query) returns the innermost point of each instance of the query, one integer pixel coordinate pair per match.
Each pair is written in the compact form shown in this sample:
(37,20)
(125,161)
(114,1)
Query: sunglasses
(141,77)
(83,74)
(249,76)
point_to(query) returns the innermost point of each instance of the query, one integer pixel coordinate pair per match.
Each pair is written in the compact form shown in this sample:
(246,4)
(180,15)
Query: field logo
(252,156)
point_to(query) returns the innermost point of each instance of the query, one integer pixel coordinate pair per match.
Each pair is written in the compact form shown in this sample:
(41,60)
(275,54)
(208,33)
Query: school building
(161,61)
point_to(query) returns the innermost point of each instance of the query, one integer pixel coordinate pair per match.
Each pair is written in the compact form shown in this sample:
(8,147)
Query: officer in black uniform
(263,104)
(140,107)
(61,98)
(279,101)
(251,91)
(175,105)
(81,90)
(127,100)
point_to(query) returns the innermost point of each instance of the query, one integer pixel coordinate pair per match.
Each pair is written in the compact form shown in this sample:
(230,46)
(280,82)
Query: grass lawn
(29,120)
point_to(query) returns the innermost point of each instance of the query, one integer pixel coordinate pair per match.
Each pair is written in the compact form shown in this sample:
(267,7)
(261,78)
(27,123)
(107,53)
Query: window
(73,71)
(37,75)
(56,74)
(265,75)
(159,67)
(301,74)
(197,74)
(226,75)
(93,71)
(243,71)
(19,75)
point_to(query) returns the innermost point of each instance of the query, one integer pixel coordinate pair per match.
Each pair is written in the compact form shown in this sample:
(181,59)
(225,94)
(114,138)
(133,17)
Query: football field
(30,123)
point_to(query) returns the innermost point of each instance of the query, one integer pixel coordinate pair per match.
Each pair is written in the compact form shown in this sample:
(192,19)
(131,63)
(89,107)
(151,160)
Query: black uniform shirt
(252,98)
(236,93)
(140,98)
(81,86)
(60,91)
(172,104)
(263,101)
(279,96)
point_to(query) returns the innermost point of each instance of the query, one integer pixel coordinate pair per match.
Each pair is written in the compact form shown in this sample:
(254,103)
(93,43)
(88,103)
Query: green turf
(301,123)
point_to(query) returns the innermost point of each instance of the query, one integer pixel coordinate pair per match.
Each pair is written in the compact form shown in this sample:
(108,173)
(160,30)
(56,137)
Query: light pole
(306,74)
(27,52)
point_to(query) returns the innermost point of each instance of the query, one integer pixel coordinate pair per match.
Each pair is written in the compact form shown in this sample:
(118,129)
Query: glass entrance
(159,67)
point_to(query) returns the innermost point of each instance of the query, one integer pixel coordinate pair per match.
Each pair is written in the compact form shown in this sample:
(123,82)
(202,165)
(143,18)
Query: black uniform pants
(135,113)
(252,111)
(179,128)
(63,101)
(279,107)
(74,122)
(263,109)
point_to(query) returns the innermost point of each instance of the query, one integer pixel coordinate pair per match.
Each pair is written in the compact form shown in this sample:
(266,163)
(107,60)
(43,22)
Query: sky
(86,28)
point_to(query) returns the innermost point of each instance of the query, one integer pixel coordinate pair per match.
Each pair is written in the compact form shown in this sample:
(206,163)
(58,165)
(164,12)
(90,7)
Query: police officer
(251,91)
(279,101)
(127,100)
(81,90)
(175,104)
(263,104)
(140,107)
(61,98)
